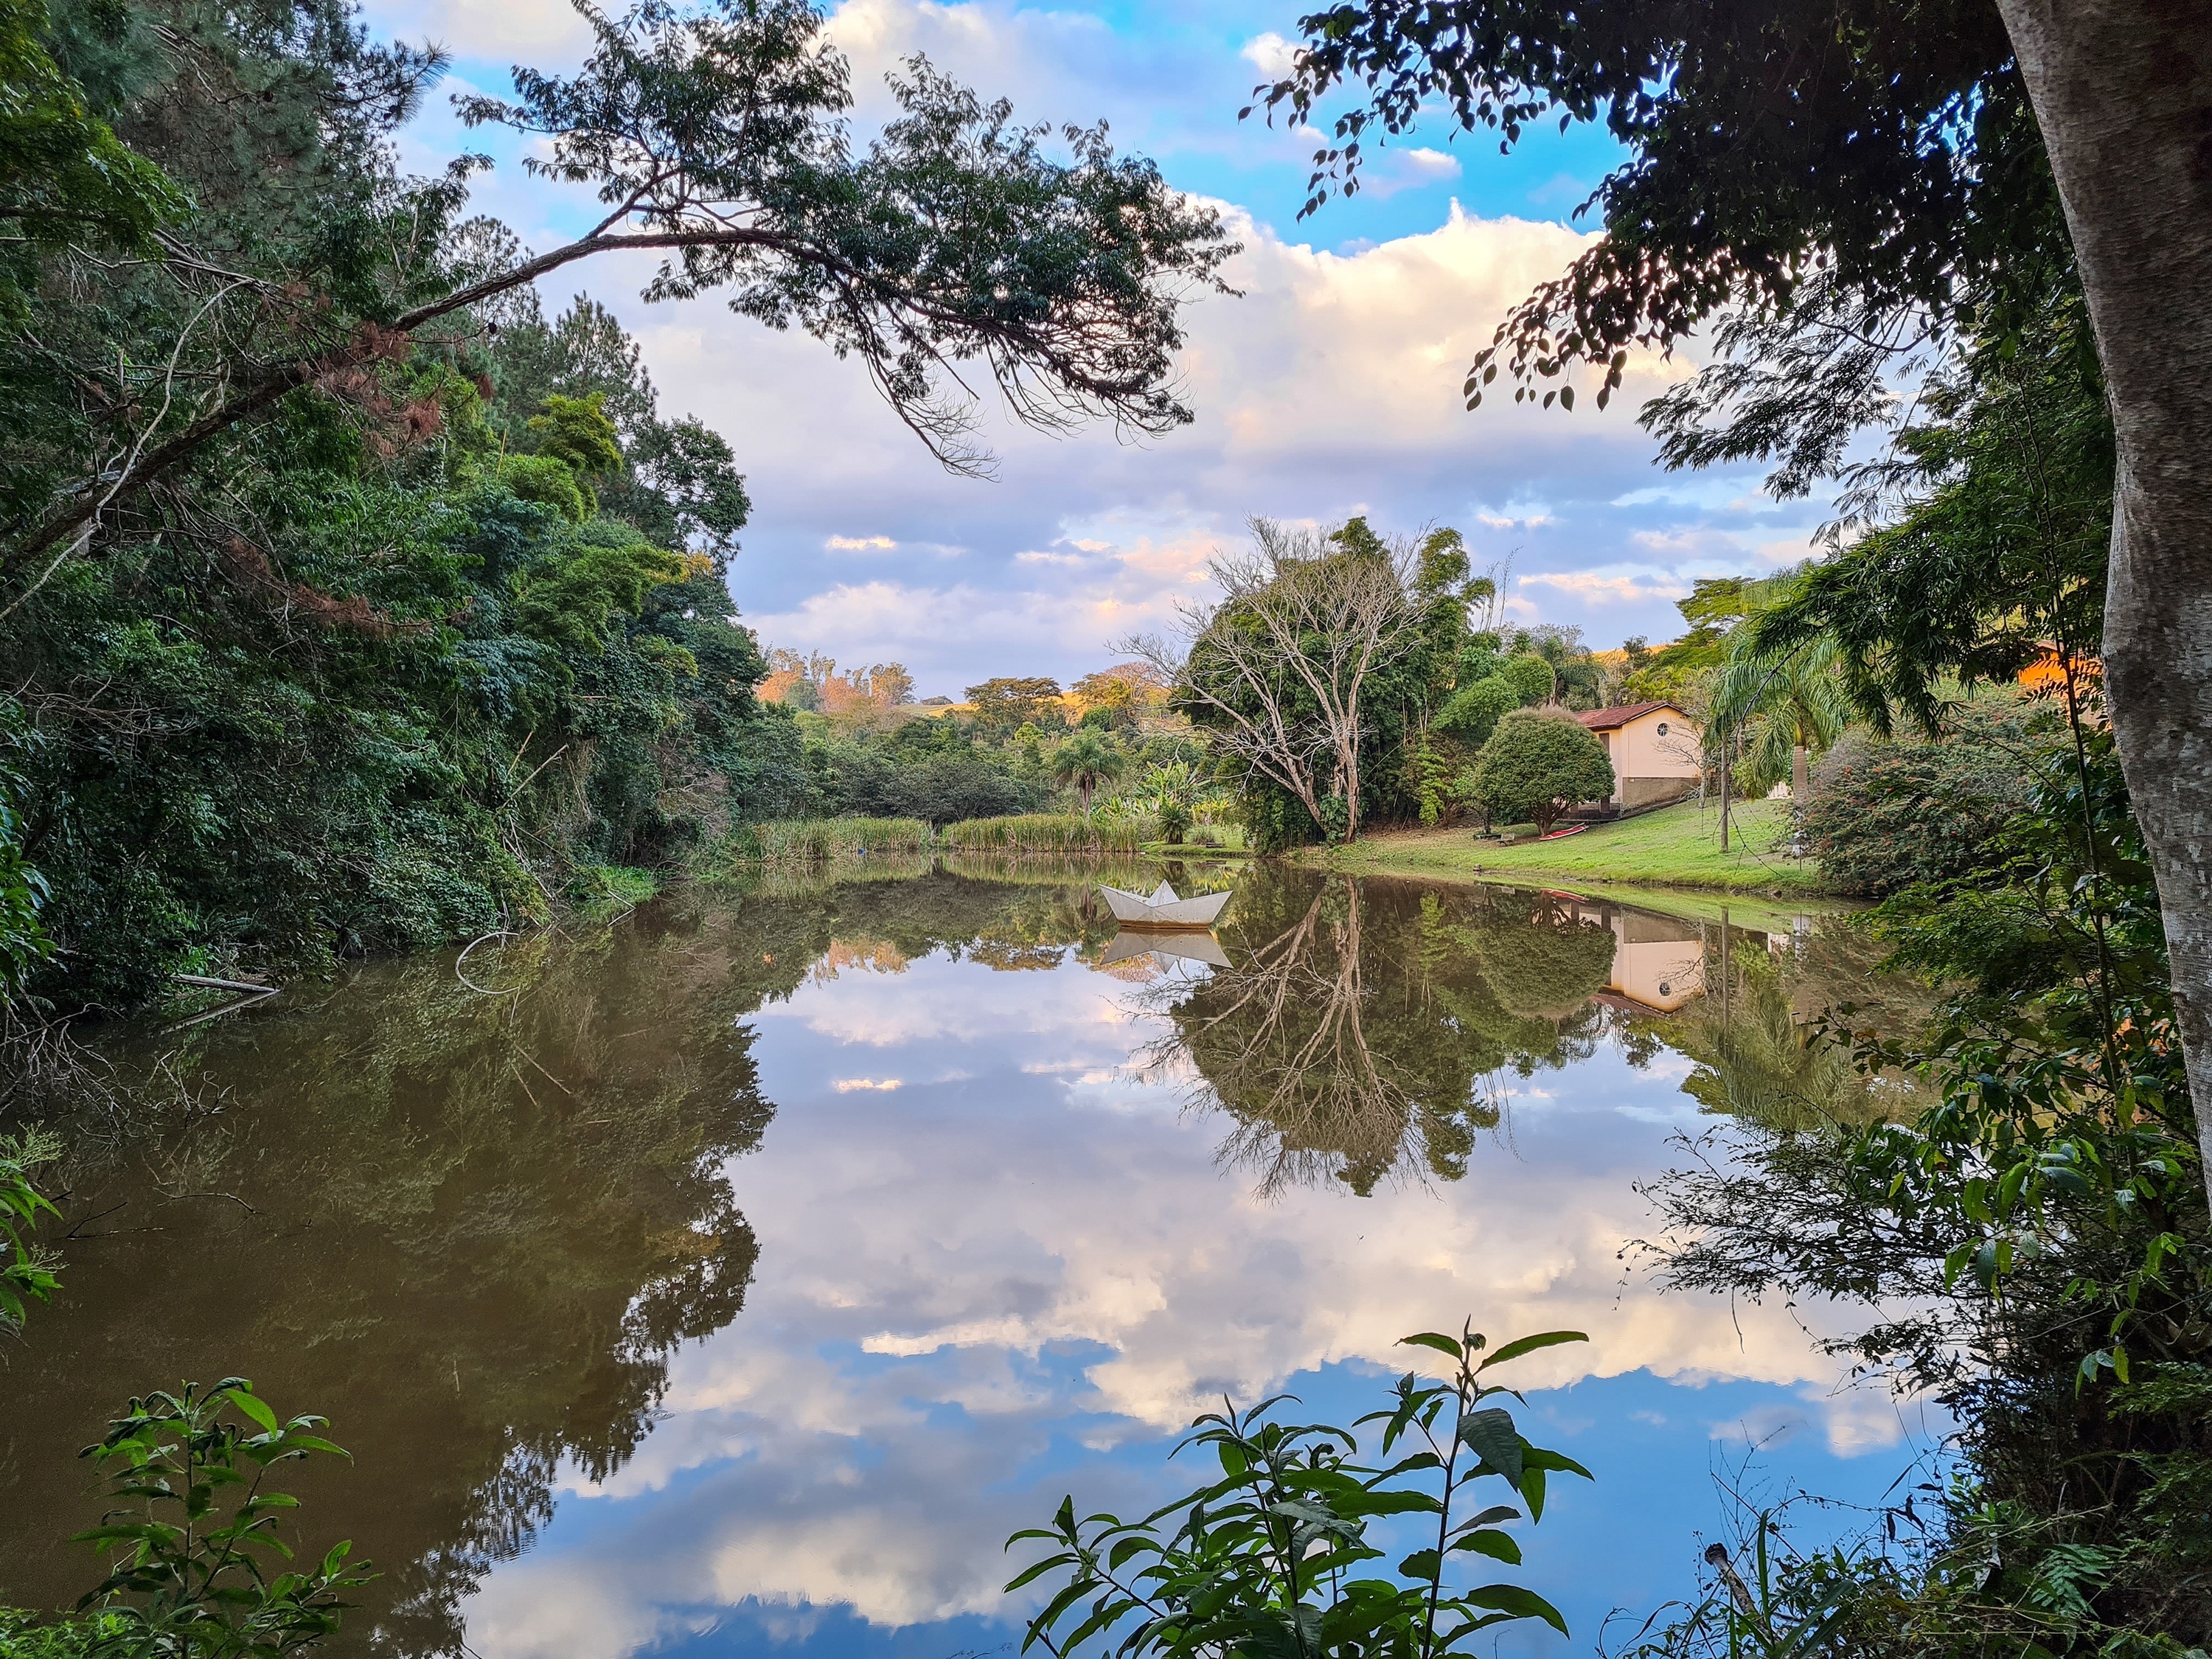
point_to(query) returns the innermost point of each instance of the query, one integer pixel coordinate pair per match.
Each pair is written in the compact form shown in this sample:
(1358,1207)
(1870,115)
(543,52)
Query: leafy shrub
(1882,816)
(193,1534)
(945,789)
(1269,1557)
(23,1637)
(26,1272)
(600,890)
(1473,712)
(1539,763)
(1532,677)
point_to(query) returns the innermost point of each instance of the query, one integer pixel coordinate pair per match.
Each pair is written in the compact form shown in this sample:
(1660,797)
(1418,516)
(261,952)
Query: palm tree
(1171,791)
(1087,760)
(1790,707)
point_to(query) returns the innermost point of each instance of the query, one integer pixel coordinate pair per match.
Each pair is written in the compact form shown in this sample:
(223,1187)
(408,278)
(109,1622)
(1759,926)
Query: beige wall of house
(1658,961)
(1655,757)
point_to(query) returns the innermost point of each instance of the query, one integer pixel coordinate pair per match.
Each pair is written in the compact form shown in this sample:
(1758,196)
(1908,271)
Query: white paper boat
(1163,908)
(1188,947)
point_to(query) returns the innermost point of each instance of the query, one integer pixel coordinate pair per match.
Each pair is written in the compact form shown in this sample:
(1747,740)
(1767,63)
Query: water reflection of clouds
(972,1298)
(937,999)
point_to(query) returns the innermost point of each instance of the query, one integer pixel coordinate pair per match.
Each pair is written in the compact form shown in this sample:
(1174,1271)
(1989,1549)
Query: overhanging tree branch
(718,140)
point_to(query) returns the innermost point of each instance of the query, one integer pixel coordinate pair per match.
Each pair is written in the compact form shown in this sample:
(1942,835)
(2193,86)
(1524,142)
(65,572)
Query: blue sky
(1330,388)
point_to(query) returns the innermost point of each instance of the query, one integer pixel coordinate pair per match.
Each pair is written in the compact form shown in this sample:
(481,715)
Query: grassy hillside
(1674,847)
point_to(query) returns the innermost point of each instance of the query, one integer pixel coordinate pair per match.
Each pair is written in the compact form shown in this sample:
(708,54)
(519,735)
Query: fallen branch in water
(215,984)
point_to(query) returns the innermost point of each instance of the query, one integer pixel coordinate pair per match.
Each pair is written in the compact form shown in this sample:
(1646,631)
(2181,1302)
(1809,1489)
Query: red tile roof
(1609,720)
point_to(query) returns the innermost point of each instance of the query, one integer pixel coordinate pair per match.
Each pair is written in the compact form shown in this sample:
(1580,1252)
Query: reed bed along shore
(804,843)
(1047,833)
(808,840)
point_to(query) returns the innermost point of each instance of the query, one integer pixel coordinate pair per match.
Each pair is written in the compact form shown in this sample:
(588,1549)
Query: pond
(736,1277)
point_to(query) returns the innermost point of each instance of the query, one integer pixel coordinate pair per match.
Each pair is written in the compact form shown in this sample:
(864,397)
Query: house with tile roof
(1657,751)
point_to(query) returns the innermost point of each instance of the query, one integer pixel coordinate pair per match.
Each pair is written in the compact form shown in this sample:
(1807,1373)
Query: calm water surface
(736,1279)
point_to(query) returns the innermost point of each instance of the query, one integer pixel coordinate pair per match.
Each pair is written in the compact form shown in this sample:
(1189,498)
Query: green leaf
(1517,1603)
(1435,1339)
(1501,1545)
(1490,1516)
(1421,1563)
(246,1401)
(1490,1434)
(1530,1345)
(1030,1574)
(1540,1457)
(1533,1490)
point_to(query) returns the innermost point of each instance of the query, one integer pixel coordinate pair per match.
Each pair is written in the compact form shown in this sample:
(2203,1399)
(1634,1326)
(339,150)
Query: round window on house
(1663,728)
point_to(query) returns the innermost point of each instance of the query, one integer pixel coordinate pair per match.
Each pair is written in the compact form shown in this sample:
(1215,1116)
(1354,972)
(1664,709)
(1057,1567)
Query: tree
(1532,677)
(576,432)
(1472,713)
(2121,91)
(1538,764)
(1170,792)
(1791,706)
(1005,703)
(1087,760)
(1996,556)
(715,140)
(1937,166)
(889,684)
(64,176)
(1278,674)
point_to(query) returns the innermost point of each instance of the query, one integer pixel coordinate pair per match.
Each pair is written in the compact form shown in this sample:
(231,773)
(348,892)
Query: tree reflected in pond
(1362,1029)
(477,1231)
(471,1231)
(1761,1056)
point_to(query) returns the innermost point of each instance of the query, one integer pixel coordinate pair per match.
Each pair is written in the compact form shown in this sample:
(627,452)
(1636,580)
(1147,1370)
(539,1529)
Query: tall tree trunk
(1801,773)
(2123,91)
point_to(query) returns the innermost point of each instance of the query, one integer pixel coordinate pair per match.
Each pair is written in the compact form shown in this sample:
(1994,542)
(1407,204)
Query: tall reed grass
(1048,832)
(809,841)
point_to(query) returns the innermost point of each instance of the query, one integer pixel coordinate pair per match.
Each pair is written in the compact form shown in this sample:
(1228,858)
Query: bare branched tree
(1277,672)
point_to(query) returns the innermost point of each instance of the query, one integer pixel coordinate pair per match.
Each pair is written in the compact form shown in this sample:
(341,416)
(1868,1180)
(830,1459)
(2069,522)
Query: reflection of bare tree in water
(1363,1037)
(1291,1058)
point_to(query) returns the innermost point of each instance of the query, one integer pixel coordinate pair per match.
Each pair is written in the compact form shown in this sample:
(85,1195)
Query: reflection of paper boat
(1192,947)
(1163,908)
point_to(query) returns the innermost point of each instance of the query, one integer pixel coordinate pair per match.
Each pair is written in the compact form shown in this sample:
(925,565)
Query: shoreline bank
(1675,847)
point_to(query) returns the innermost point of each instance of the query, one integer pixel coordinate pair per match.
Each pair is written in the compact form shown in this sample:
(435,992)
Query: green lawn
(1674,847)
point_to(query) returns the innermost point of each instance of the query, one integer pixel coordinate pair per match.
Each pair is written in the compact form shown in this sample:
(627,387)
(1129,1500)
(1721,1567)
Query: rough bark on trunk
(1801,773)
(2123,91)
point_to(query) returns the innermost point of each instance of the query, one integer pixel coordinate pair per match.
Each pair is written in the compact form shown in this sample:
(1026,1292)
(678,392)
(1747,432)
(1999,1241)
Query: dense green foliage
(2035,1241)
(1538,764)
(1270,1558)
(387,674)
(1886,816)
(268,774)
(350,604)
(2031,1244)
(938,770)
(26,1274)
(1996,559)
